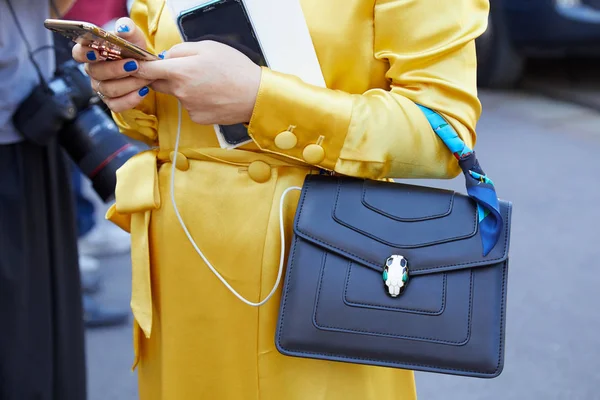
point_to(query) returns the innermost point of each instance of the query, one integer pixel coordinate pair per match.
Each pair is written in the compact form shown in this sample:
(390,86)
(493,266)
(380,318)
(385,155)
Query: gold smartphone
(108,45)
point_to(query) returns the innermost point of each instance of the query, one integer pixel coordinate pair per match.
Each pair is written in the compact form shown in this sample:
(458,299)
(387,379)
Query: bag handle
(479,187)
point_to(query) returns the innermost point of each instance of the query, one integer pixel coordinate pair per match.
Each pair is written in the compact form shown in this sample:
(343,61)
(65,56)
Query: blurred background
(539,140)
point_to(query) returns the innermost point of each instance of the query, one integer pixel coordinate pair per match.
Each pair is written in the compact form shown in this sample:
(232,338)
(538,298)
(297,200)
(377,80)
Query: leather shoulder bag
(396,275)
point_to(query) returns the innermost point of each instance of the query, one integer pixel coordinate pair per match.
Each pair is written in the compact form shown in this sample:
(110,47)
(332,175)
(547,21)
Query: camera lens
(94,142)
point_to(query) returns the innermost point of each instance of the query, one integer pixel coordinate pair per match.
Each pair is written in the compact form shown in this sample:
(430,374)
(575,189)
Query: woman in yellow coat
(193,338)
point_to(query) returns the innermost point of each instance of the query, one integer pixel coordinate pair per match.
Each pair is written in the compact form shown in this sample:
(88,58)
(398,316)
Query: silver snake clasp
(395,274)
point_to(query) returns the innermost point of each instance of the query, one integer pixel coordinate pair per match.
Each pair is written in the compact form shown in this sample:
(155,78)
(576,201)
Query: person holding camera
(42,335)
(97,236)
(193,337)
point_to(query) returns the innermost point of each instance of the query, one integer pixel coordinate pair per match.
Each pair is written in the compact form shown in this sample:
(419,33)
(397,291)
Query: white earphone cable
(193,242)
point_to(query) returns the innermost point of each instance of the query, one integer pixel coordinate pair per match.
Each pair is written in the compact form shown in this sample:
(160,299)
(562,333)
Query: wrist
(252,85)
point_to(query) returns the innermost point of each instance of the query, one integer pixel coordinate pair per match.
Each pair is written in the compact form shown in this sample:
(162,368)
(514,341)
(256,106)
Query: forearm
(382,132)
(62,6)
(374,135)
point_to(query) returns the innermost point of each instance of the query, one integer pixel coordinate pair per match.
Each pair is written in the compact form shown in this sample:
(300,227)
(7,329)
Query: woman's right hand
(120,90)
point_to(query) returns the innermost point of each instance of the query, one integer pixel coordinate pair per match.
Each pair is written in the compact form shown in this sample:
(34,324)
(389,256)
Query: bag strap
(479,187)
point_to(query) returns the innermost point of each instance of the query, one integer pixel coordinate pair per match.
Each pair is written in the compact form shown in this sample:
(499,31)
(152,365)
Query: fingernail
(130,66)
(91,56)
(162,54)
(123,28)
(143,91)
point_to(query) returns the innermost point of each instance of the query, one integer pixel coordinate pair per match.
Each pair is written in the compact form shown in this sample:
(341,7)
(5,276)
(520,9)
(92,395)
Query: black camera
(68,108)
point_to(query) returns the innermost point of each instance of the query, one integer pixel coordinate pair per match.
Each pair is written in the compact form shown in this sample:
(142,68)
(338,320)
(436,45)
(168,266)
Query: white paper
(283,35)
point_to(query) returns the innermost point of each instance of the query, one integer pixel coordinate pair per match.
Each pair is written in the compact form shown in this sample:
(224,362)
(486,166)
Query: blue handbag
(397,275)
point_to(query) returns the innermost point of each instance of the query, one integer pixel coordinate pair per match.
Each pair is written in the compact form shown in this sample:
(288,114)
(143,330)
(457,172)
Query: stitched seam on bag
(424,270)
(291,262)
(370,206)
(400,364)
(373,333)
(502,312)
(395,245)
(400,309)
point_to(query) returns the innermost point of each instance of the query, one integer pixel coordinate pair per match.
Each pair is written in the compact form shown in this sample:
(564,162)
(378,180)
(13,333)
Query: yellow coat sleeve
(141,123)
(429,45)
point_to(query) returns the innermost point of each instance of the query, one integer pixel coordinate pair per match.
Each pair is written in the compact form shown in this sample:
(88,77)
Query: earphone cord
(193,242)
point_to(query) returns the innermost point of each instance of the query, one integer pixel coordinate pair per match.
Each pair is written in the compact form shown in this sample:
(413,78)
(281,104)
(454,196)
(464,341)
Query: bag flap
(367,221)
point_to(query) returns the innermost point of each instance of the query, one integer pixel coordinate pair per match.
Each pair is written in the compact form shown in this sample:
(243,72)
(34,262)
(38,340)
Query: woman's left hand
(215,83)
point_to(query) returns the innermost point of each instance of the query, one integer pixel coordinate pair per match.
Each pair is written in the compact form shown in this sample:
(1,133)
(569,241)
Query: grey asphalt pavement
(543,156)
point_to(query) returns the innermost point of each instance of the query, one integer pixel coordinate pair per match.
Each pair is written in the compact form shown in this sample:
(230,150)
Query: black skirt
(41,324)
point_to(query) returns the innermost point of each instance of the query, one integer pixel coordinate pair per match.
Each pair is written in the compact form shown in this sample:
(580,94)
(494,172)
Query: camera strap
(30,52)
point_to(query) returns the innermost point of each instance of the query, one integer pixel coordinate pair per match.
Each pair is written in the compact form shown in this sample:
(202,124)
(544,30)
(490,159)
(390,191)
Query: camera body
(67,108)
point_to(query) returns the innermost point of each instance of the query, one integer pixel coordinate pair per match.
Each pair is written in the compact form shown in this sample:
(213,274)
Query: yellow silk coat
(193,339)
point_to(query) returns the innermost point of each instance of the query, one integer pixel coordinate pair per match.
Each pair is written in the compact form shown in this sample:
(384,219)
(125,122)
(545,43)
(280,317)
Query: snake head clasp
(395,274)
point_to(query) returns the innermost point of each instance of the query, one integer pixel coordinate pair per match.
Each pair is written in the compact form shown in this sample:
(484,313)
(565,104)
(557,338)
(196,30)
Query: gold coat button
(259,171)
(313,154)
(183,164)
(286,140)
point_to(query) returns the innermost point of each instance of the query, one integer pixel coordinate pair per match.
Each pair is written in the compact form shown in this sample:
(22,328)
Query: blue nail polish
(91,56)
(143,91)
(130,66)
(122,28)
(162,54)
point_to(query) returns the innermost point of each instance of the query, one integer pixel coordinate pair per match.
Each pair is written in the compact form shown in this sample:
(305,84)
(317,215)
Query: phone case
(108,45)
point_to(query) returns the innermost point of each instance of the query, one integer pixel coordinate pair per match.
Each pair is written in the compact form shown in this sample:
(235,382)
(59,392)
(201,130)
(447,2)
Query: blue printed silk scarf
(479,187)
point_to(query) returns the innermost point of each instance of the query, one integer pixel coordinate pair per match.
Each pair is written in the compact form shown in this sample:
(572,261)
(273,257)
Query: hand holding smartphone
(108,45)
(227,22)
